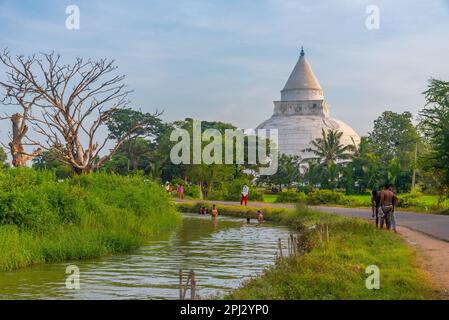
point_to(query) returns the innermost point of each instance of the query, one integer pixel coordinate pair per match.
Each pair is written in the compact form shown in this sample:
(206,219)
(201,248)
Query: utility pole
(414,166)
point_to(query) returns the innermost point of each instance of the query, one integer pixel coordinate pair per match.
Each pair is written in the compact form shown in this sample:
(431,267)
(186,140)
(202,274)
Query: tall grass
(334,269)
(44,220)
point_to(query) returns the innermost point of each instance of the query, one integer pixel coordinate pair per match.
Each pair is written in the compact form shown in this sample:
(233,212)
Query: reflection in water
(222,253)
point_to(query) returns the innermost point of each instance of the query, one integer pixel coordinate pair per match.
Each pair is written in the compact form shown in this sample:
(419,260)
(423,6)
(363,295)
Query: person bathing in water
(375,205)
(214,212)
(260,217)
(202,211)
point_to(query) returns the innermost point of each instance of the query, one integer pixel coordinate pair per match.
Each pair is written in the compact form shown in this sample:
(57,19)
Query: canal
(222,253)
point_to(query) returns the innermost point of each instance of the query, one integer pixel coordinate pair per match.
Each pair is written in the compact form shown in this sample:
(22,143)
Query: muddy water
(222,254)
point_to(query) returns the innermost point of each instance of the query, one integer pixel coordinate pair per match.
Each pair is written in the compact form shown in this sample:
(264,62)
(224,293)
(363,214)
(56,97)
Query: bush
(325,197)
(291,196)
(215,194)
(43,219)
(232,191)
(192,191)
(357,201)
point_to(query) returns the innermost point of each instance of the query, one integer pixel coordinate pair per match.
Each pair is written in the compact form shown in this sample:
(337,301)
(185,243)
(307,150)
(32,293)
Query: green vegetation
(287,175)
(334,269)
(43,219)
(291,197)
(435,124)
(269,198)
(325,197)
(413,201)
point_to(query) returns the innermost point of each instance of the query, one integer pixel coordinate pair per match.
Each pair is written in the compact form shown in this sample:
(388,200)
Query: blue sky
(228,60)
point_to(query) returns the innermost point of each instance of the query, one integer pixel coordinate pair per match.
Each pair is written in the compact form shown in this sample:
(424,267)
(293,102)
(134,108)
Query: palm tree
(330,153)
(329,150)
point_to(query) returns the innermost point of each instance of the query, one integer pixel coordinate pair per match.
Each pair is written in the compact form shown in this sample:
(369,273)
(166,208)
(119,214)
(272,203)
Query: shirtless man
(375,205)
(387,203)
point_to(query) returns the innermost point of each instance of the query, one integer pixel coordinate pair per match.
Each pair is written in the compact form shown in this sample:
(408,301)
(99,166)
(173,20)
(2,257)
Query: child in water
(214,212)
(260,217)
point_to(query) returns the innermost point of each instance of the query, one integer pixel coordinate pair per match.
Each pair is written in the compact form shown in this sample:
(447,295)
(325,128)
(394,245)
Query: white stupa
(302,113)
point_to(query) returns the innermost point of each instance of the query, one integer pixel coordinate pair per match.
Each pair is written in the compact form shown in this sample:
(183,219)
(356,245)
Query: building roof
(302,76)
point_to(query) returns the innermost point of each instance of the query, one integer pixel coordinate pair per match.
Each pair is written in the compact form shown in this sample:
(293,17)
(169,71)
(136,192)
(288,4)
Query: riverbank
(45,220)
(334,269)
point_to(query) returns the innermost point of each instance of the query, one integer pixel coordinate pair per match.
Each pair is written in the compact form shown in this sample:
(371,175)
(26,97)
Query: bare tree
(69,104)
(17,93)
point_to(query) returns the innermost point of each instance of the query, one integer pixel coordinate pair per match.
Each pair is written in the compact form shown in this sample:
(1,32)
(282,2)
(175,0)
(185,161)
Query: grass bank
(46,220)
(334,269)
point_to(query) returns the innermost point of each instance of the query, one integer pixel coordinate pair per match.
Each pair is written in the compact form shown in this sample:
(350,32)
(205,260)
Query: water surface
(222,254)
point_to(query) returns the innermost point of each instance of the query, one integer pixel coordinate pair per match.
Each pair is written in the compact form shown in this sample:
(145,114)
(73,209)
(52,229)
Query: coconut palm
(330,154)
(329,150)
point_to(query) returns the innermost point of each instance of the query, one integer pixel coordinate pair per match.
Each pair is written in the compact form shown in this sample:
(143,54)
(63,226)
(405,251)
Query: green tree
(366,167)
(435,124)
(287,175)
(47,160)
(329,149)
(394,139)
(133,155)
(331,155)
(210,178)
(3,158)
(311,174)
(134,149)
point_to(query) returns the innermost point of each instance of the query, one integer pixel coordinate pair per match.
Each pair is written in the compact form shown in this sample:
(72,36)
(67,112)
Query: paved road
(431,224)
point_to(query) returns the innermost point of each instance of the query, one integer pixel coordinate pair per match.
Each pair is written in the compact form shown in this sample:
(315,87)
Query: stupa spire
(302,83)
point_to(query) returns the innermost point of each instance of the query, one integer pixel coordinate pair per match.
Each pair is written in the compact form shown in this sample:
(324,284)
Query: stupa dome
(302,113)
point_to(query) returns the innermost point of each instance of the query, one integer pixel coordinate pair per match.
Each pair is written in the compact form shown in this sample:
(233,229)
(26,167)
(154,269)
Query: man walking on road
(375,205)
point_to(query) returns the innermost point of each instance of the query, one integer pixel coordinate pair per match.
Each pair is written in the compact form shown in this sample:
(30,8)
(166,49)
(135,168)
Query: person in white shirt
(244,197)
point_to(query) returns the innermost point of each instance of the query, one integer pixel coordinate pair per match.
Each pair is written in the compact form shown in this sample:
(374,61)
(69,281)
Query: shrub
(357,201)
(291,196)
(408,200)
(192,191)
(215,194)
(325,197)
(43,219)
(232,191)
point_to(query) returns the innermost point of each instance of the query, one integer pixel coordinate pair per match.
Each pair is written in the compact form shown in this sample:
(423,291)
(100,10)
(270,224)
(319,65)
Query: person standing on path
(180,191)
(244,197)
(393,213)
(375,205)
(387,202)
